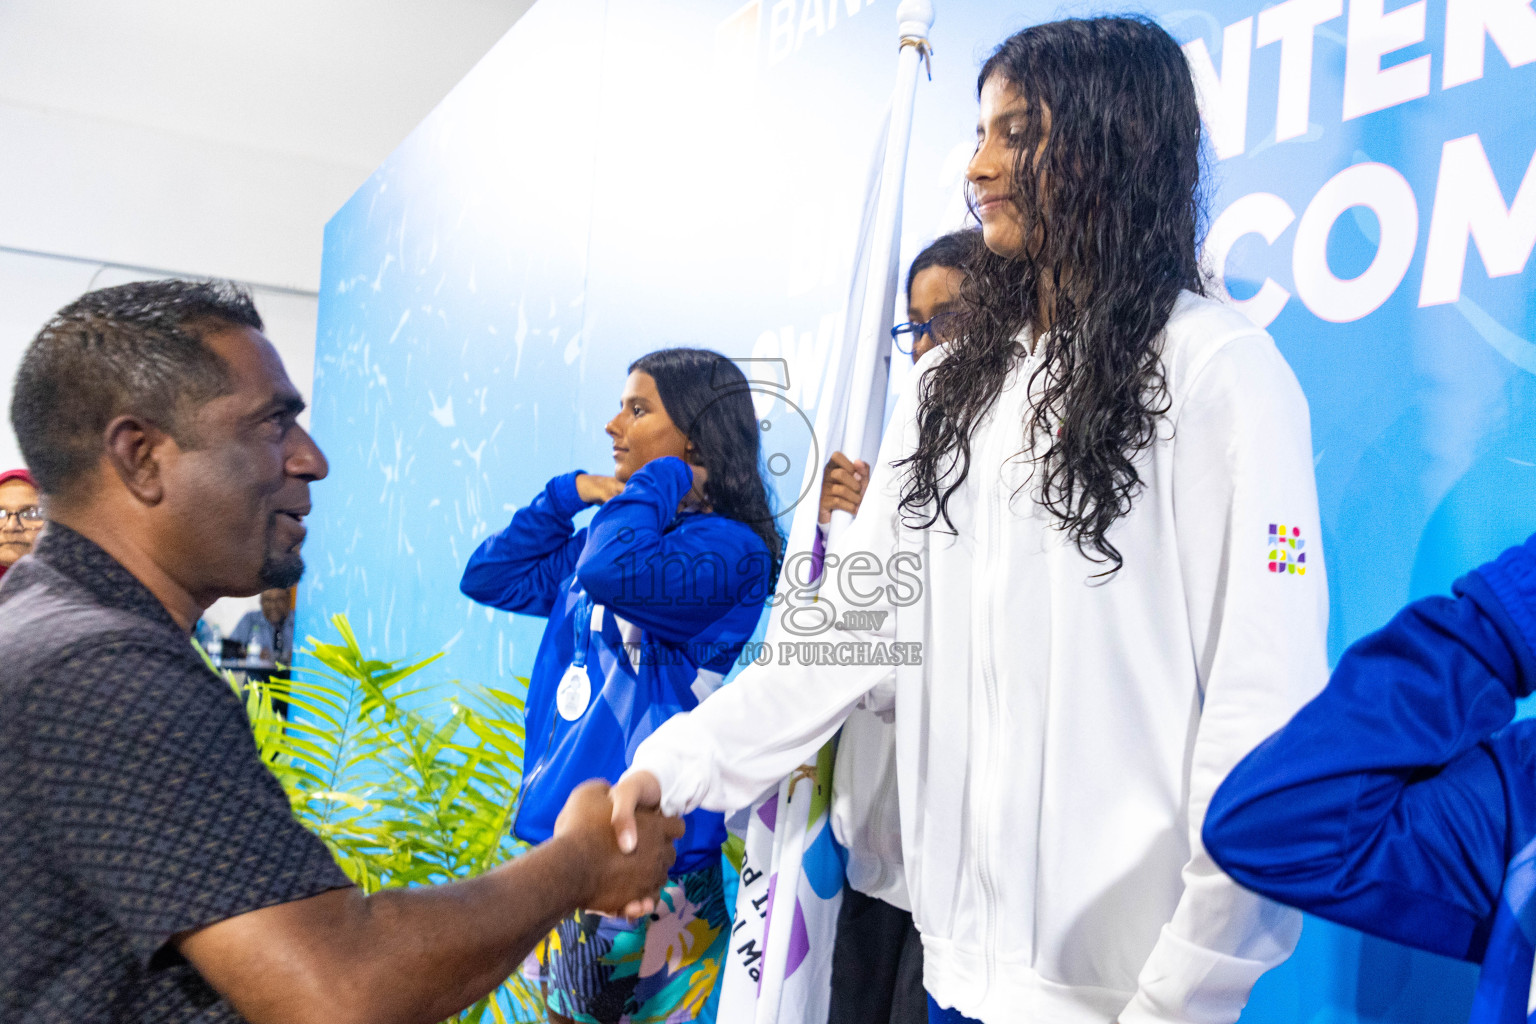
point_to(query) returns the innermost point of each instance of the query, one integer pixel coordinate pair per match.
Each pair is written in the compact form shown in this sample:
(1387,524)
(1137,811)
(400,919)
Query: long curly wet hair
(1112,207)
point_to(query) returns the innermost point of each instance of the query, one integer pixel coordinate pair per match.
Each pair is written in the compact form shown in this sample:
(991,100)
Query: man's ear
(134,448)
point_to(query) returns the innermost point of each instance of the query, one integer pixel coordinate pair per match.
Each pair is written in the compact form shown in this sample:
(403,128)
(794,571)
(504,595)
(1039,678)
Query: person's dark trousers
(877,965)
(938,1015)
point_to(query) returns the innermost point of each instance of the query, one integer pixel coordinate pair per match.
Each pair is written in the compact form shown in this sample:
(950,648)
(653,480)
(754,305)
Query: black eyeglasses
(944,327)
(29,516)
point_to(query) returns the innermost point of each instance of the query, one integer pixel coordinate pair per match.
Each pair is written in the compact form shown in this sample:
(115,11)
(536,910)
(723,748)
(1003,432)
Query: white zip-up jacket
(1061,738)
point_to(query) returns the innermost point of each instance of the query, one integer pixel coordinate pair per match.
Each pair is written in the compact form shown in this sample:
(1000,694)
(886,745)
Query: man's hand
(594,490)
(842,486)
(422,954)
(624,879)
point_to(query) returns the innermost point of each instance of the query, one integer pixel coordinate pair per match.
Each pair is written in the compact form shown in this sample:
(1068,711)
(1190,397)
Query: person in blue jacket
(649,607)
(1402,801)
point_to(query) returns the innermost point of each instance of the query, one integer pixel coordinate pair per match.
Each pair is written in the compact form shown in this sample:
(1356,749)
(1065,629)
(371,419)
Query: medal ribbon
(581,624)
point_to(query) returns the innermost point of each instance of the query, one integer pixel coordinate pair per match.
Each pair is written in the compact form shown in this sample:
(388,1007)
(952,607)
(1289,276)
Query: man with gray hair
(153,868)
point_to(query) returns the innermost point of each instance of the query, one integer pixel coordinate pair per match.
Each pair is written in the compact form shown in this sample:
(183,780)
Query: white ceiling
(338,81)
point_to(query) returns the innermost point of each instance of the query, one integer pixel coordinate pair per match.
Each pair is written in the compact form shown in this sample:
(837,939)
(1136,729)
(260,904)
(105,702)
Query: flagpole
(866,394)
(779,969)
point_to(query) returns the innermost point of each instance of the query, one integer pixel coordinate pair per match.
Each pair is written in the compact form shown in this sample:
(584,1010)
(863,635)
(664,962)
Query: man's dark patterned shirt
(133,803)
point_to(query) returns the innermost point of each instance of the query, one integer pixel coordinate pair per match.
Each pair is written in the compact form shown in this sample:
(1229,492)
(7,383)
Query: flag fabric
(779,965)
(787,901)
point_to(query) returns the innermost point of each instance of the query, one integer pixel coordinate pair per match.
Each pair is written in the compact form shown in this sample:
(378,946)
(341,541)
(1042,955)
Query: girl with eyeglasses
(648,608)
(933,318)
(934,315)
(21,517)
(1106,480)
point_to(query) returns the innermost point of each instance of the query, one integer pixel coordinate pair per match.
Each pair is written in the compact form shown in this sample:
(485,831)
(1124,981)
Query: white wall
(214,138)
(33,287)
(204,139)
(184,137)
(140,196)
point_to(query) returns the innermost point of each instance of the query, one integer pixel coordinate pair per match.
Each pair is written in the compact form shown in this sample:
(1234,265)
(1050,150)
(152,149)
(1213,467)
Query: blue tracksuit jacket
(652,605)
(1401,801)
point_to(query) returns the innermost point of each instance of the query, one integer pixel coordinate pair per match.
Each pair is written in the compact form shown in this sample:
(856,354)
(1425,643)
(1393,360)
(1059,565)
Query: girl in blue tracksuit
(1401,801)
(648,609)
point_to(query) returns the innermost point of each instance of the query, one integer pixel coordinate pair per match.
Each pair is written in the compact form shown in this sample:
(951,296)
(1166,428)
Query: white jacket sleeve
(772,718)
(1258,611)
(747,736)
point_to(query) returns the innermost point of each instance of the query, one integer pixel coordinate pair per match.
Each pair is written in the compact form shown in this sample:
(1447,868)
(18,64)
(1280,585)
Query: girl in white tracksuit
(1106,485)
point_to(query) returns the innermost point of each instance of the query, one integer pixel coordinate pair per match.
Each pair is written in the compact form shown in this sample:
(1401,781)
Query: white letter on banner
(807,20)
(1292,25)
(1373,35)
(1261,213)
(1510,23)
(781,31)
(1386,193)
(1469,204)
(1224,97)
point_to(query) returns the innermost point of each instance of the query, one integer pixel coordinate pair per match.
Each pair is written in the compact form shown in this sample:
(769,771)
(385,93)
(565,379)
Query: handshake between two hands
(624,840)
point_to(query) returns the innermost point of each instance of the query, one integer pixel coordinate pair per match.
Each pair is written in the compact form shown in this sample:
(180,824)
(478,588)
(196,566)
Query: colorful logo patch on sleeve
(1285,550)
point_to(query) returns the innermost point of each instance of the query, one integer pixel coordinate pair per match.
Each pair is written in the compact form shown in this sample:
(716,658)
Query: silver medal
(574,693)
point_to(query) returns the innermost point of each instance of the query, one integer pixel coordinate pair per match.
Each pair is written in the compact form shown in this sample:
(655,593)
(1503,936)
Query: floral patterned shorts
(662,969)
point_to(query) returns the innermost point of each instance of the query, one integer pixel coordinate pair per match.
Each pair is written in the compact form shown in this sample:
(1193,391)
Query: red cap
(18,474)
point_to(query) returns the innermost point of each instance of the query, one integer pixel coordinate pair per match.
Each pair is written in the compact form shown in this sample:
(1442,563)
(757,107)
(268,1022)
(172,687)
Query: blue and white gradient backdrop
(616,177)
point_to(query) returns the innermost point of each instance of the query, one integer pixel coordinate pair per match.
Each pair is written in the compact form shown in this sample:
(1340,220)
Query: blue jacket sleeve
(521,568)
(672,583)
(1384,803)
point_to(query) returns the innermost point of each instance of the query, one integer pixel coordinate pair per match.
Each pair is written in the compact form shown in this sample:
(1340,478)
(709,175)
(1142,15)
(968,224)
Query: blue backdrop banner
(617,177)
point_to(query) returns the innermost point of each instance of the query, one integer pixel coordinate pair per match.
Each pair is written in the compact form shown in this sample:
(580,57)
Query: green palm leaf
(401,791)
